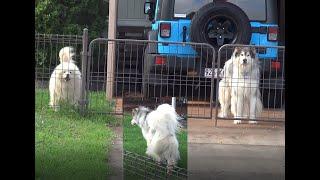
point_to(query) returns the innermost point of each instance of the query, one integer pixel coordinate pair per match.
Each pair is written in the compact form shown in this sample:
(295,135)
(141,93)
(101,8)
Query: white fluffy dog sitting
(239,88)
(159,128)
(65,80)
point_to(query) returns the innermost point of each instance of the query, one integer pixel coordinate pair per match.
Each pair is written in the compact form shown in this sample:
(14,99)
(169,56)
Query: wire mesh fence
(137,73)
(142,167)
(47,49)
(153,72)
(252,86)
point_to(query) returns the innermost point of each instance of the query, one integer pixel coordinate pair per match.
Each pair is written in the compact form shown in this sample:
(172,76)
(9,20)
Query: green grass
(133,141)
(71,146)
(98,102)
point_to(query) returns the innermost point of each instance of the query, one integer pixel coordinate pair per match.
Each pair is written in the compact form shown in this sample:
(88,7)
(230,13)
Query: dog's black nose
(67,77)
(244,60)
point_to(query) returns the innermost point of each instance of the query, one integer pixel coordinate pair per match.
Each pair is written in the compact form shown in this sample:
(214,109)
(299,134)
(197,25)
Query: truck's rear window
(255,9)
(183,7)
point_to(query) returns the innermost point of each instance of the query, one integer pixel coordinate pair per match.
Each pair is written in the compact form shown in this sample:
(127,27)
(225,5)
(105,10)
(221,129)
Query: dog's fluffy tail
(66,54)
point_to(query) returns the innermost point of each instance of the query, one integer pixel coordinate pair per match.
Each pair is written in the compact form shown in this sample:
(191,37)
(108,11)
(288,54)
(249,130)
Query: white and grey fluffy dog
(159,128)
(65,80)
(239,87)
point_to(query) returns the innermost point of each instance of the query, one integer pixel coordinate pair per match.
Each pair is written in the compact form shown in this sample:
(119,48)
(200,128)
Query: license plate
(208,72)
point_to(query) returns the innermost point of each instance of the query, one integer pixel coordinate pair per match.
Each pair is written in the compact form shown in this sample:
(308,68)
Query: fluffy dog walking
(240,86)
(159,128)
(65,80)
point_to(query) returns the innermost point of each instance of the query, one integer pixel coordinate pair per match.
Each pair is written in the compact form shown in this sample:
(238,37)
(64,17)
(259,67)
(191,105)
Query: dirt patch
(204,111)
(115,160)
(203,131)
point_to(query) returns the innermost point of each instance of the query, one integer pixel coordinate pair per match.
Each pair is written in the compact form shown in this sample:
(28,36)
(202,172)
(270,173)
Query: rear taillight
(160,60)
(165,30)
(275,65)
(273,33)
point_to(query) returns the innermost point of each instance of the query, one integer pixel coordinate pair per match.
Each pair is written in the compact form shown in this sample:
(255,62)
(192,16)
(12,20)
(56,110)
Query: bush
(71,17)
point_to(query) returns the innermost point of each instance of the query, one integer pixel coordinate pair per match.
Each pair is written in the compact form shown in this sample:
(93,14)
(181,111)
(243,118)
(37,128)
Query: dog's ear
(253,52)
(237,51)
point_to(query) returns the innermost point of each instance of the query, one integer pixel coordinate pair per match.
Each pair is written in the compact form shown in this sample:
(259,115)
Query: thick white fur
(239,88)
(66,54)
(225,89)
(65,80)
(159,128)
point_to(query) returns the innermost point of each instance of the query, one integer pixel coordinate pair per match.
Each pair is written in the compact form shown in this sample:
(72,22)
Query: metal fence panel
(192,78)
(266,87)
(140,75)
(146,168)
(47,47)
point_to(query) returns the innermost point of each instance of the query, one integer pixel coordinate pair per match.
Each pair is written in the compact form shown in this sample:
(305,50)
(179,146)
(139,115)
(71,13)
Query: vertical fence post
(112,28)
(217,88)
(83,97)
(173,102)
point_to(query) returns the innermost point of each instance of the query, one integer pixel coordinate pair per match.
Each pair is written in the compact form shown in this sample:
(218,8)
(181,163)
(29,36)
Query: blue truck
(216,22)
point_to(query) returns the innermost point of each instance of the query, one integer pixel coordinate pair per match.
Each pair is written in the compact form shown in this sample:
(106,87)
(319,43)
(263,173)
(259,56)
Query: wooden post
(84,61)
(112,29)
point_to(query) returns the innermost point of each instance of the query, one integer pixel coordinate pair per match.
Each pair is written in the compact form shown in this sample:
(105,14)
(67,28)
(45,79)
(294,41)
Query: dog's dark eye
(70,72)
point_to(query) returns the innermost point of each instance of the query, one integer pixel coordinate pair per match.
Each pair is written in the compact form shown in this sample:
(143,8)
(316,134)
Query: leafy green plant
(71,17)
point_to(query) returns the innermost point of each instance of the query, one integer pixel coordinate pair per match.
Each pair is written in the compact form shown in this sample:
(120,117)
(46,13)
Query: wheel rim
(220,30)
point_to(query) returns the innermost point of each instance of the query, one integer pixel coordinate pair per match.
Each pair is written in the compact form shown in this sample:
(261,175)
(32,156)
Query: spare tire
(220,23)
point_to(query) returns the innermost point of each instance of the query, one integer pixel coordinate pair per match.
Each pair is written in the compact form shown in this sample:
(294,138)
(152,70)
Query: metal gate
(136,75)
(269,84)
